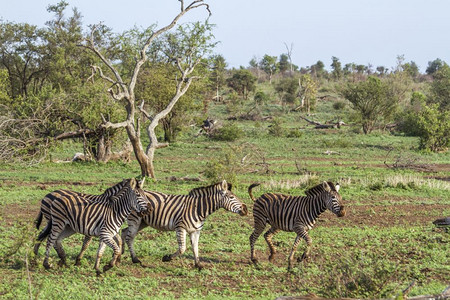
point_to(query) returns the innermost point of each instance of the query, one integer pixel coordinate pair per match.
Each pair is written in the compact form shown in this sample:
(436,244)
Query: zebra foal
(71,214)
(293,214)
(183,214)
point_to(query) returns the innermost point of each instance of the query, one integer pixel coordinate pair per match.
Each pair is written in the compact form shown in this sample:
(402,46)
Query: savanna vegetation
(381,132)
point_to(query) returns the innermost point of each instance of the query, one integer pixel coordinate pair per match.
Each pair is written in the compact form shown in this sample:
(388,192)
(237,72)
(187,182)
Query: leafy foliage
(372,98)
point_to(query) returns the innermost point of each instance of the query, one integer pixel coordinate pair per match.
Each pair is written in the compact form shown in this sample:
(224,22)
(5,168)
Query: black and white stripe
(44,212)
(70,213)
(293,214)
(183,214)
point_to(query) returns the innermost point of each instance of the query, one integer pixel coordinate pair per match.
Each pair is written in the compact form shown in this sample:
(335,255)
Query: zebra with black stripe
(293,214)
(73,214)
(183,214)
(45,212)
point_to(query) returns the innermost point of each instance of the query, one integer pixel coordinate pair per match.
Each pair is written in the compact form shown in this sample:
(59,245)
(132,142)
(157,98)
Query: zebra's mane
(205,188)
(115,188)
(319,188)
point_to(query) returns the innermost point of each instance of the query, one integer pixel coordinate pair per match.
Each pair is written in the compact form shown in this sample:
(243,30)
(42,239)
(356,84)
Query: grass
(385,242)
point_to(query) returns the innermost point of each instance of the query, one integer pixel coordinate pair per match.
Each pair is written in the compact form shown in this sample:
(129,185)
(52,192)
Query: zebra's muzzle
(244,210)
(341,213)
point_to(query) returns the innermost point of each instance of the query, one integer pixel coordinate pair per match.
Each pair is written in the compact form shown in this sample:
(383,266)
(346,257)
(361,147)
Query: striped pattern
(71,214)
(46,203)
(184,214)
(293,214)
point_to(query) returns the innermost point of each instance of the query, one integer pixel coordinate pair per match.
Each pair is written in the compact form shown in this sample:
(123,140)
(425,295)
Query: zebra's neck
(122,209)
(316,206)
(206,204)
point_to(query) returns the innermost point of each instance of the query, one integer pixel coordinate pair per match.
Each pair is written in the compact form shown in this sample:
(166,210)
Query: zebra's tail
(250,190)
(38,220)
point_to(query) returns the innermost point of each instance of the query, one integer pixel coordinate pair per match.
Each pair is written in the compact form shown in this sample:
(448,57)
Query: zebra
(103,218)
(183,214)
(46,203)
(293,214)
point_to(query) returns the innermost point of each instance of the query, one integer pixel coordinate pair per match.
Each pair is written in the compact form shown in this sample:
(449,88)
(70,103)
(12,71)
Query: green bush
(275,128)
(339,105)
(230,132)
(294,133)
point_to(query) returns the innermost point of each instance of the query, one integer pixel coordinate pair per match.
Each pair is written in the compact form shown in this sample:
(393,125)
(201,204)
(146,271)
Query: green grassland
(386,241)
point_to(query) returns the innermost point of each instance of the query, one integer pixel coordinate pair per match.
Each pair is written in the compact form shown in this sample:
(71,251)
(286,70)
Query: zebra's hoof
(199,266)
(78,262)
(167,258)
(271,258)
(136,260)
(107,267)
(255,261)
(62,263)
(47,266)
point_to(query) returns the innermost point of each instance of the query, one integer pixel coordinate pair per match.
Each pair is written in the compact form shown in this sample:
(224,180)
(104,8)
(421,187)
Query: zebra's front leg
(110,241)
(306,254)
(101,249)
(86,241)
(268,237)
(181,238)
(119,243)
(195,236)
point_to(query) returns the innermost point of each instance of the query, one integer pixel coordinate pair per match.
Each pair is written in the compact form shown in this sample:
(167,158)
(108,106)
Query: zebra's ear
(326,186)
(224,185)
(337,186)
(140,183)
(133,183)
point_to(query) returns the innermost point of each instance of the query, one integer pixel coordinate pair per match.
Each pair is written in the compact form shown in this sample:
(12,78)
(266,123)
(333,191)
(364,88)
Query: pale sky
(359,31)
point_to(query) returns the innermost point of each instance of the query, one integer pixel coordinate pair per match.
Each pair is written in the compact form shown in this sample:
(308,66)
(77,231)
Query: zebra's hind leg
(181,238)
(128,235)
(253,237)
(58,245)
(55,231)
(86,241)
(268,237)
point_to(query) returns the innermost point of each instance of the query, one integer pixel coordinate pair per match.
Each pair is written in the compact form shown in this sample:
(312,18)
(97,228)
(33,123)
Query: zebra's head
(333,199)
(230,201)
(132,189)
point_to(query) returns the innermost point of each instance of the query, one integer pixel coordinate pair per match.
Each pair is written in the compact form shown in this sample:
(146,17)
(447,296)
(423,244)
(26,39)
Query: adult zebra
(183,214)
(293,214)
(45,212)
(73,214)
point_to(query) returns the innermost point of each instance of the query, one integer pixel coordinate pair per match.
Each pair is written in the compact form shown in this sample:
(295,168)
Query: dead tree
(124,91)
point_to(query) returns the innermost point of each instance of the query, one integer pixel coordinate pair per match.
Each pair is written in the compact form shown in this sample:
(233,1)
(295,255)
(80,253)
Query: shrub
(339,105)
(230,132)
(294,133)
(276,129)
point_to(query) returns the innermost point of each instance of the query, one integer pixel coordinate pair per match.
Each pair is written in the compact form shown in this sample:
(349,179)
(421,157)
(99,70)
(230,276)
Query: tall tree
(184,49)
(242,81)
(269,65)
(336,68)
(218,73)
